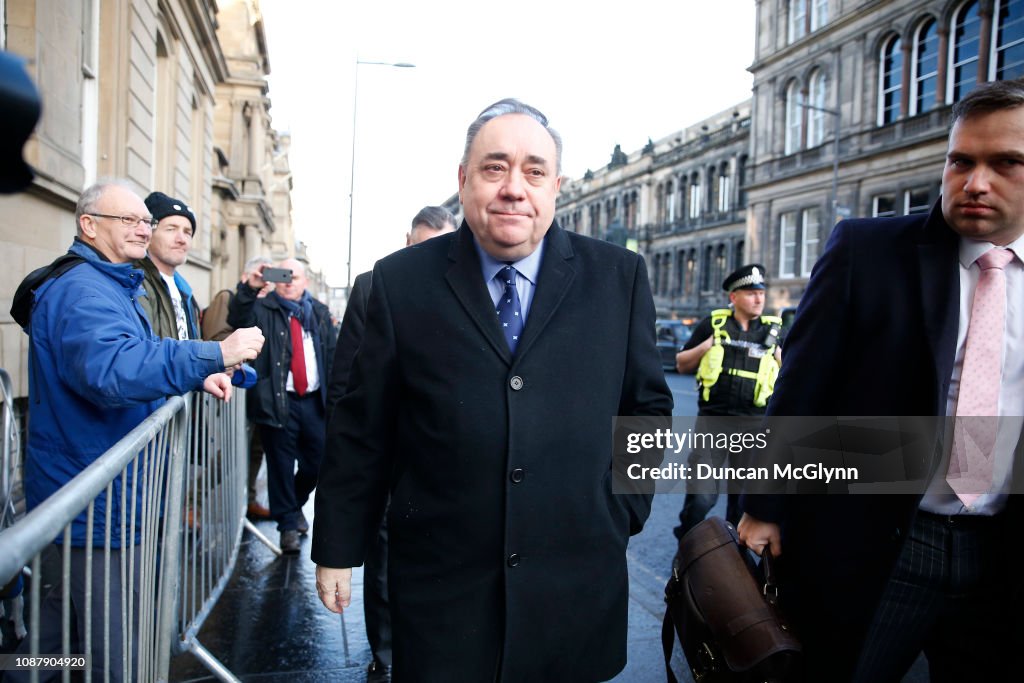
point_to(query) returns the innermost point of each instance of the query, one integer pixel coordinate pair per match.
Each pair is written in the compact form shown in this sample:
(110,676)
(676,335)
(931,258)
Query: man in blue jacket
(96,370)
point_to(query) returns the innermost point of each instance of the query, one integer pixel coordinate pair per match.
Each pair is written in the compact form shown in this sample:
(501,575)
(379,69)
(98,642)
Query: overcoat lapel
(553,282)
(467,283)
(940,295)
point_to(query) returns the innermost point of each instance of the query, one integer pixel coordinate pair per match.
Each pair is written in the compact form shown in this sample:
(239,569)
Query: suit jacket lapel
(553,282)
(940,295)
(467,282)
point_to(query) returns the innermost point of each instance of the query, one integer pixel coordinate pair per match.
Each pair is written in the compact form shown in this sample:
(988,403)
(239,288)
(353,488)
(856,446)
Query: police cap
(750,276)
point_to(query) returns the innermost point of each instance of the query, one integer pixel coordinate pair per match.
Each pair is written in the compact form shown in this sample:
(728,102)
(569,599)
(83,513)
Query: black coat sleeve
(240,308)
(352,326)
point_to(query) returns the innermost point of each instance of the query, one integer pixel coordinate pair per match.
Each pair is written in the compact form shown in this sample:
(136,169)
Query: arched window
(925,67)
(670,197)
(794,117)
(816,117)
(890,80)
(964,40)
(720,263)
(712,199)
(1008,40)
(737,259)
(705,269)
(724,188)
(691,266)
(695,195)
(741,180)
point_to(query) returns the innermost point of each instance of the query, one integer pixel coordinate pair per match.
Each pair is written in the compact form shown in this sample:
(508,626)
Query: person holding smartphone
(288,402)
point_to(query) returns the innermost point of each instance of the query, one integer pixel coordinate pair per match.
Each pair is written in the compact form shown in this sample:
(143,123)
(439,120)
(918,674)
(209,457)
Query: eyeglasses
(129,221)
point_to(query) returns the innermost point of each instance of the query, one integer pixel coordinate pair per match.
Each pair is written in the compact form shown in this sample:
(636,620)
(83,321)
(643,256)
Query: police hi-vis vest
(748,360)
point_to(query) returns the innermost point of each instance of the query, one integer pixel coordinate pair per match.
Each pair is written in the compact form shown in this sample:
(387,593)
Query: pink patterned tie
(977,407)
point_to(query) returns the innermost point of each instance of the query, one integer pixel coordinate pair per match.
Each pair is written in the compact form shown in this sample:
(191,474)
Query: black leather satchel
(727,618)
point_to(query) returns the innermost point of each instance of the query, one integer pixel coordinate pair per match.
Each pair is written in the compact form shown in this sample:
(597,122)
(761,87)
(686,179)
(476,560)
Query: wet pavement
(269,625)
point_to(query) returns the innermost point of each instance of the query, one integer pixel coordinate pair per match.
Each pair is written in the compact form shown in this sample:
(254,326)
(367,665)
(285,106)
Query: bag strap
(668,641)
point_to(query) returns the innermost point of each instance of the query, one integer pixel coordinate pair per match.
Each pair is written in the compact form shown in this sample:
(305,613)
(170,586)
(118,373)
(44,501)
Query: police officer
(735,352)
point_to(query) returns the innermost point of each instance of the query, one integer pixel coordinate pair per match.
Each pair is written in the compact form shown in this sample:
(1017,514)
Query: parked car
(671,335)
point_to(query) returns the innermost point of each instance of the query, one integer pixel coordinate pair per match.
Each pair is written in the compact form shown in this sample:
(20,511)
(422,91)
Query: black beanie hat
(162,206)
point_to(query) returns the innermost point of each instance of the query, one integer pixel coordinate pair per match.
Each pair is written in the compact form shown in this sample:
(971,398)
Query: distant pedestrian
(215,326)
(431,221)
(289,399)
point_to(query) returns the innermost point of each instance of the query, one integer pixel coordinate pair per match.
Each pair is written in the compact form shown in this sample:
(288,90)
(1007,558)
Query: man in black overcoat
(884,329)
(507,545)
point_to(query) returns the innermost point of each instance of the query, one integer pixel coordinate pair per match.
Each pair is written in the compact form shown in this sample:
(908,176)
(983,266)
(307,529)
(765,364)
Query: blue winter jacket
(96,370)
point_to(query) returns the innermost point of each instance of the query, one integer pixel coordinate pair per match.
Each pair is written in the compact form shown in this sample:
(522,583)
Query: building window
(738,254)
(917,200)
(712,199)
(741,180)
(724,187)
(705,270)
(1008,40)
(695,195)
(925,69)
(810,239)
(691,265)
(890,81)
(787,245)
(720,263)
(90,87)
(680,269)
(964,40)
(883,206)
(797,19)
(816,116)
(819,14)
(794,117)
(670,195)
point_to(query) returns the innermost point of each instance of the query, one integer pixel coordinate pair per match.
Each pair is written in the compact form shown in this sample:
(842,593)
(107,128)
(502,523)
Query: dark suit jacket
(507,544)
(349,338)
(875,335)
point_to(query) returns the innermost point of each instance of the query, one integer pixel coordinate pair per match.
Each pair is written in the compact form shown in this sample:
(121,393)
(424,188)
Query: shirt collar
(528,267)
(971,250)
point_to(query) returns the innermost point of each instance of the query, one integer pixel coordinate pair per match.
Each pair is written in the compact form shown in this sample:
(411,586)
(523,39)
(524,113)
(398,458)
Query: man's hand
(218,385)
(241,345)
(254,278)
(687,361)
(756,534)
(334,586)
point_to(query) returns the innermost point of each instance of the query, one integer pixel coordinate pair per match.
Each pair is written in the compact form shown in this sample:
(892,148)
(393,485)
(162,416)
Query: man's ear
(87,227)
(462,181)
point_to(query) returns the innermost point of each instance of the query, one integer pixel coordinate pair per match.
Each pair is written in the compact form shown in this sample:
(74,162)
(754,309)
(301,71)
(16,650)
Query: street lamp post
(352,171)
(835,159)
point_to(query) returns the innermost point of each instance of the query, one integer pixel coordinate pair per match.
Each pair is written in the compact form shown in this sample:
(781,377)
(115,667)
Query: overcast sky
(604,75)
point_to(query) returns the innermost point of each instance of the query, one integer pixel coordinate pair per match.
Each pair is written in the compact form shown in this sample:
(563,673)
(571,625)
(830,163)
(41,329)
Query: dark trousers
(948,596)
(255,459)
(376,611)
(300,441)
(50,619)
(701,496)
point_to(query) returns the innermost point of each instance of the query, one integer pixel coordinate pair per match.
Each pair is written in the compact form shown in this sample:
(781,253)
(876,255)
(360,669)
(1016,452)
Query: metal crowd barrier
(10,451)
(185,468)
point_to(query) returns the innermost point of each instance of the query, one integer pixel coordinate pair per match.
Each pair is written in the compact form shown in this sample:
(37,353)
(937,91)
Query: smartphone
(277,275)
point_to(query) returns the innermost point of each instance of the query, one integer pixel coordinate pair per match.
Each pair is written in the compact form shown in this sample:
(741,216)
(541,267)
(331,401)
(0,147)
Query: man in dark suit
(430,221)
(482,398)
(889,326)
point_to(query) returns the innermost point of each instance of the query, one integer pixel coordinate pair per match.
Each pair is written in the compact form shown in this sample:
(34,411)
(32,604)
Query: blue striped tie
(510,314)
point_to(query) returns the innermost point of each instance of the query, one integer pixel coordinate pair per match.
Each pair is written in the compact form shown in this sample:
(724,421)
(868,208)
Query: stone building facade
(170,95)
(884,76)
(755,183)
(680,201)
